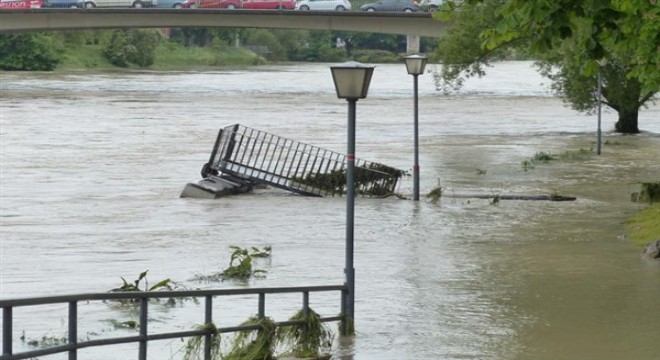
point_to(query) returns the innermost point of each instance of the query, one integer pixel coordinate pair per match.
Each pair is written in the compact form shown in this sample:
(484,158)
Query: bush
(34,51)
(136,46)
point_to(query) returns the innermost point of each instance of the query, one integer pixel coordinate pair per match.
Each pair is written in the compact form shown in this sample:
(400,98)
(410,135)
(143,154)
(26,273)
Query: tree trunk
(627,122)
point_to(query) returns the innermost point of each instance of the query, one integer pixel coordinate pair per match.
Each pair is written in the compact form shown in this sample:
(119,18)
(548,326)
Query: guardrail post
(262,305)
(144,303)
(73,330)
(6,331)
(208,320)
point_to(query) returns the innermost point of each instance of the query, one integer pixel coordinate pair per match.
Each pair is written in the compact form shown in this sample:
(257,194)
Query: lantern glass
(352,79)
(415,64)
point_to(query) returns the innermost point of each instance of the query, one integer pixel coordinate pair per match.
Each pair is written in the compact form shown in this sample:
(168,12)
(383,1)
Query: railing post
(73,330)
(7,328)
(208,319)
(344,321)
(262,305)
(305,302)
(144,303)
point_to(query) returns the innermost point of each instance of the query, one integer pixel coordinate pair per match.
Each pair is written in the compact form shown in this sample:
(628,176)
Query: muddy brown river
(92,165)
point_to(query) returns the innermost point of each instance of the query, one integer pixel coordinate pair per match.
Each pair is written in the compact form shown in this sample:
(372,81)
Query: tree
(34,51)
(618,38)
(136,46)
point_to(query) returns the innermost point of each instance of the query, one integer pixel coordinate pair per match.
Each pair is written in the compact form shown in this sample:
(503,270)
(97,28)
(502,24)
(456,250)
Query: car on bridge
(269,4)
(170,4)
(391,6)
(338,5)
(60,4)
(211,4)
(240,4)
(90,4)
(20,4)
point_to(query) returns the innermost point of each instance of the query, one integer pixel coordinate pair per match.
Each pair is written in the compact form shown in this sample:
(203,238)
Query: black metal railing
(259,156)
(73,343)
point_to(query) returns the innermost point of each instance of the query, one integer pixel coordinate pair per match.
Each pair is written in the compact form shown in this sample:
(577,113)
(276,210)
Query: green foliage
(644,226)
(372,180)
(135,46)
(650,192)
(269,40)
(346,326)
(194,348)
(142,284)
(45,341)
(30,51)
(375,56)
(306,339)
(240,265)
(574,40)
(435,194)
(319,52)
(545,157)
(129,324)
(256,344)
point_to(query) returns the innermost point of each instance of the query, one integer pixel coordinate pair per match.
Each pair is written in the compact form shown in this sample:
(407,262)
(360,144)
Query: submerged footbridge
(243,157)
(417,24)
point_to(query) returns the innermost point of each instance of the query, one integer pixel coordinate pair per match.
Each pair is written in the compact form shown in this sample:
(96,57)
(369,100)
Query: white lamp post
(415,65)
(352,81)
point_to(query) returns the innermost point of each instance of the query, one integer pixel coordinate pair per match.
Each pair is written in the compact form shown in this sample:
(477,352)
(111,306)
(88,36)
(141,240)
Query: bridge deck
(419,23)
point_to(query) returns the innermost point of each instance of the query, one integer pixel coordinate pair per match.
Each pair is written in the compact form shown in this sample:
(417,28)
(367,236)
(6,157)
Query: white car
(338,5)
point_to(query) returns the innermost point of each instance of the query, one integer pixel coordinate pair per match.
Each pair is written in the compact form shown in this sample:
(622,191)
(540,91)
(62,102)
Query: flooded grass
(645,226)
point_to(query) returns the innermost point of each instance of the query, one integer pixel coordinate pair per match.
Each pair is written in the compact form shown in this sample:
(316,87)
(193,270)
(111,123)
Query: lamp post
(415,65)
(352,81)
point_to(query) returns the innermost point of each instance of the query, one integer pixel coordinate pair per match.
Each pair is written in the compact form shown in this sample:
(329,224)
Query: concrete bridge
(413,25)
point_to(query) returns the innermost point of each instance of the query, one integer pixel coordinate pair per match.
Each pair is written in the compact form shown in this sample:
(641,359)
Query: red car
(269,4)
(20,4)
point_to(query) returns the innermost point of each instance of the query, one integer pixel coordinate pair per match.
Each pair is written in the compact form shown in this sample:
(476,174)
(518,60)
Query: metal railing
(73,344)
(261,157)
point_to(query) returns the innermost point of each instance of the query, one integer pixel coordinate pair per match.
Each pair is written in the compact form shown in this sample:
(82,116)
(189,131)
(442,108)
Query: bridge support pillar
(412,44)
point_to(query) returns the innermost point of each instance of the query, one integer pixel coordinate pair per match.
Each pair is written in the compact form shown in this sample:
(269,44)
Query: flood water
(92,166)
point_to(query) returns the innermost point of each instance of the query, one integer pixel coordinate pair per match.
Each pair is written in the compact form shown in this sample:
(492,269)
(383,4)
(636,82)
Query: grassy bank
(644,226)
(169,56)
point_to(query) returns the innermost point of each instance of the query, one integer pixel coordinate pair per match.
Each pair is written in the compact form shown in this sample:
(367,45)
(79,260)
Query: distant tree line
(138,47)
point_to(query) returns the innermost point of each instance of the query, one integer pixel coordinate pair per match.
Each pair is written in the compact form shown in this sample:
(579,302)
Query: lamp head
(352,80)
(416,63)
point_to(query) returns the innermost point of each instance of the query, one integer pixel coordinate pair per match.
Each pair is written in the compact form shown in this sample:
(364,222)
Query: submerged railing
(73,344)
(261,157)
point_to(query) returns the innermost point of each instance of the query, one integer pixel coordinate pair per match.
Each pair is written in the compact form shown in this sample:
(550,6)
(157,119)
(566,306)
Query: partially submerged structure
(243,157)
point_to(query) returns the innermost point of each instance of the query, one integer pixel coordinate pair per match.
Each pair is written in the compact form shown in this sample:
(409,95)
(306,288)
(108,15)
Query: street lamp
(415,65)
(352,81)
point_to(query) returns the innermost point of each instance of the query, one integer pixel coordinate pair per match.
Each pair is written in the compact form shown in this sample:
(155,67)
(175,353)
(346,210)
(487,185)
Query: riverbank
(645,225)
(169,56)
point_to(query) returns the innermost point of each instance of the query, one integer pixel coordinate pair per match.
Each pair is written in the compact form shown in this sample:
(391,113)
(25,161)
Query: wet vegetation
(142,284)
(308,338)
(436,193)
(240,265)
(194,348)
(644,226)
(546,157)
(372,180)
(255,344)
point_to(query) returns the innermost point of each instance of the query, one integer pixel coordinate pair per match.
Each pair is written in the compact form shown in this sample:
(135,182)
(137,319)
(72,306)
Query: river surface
(92,166)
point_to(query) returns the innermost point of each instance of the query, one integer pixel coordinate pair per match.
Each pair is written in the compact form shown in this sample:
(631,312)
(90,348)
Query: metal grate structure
(261,157)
